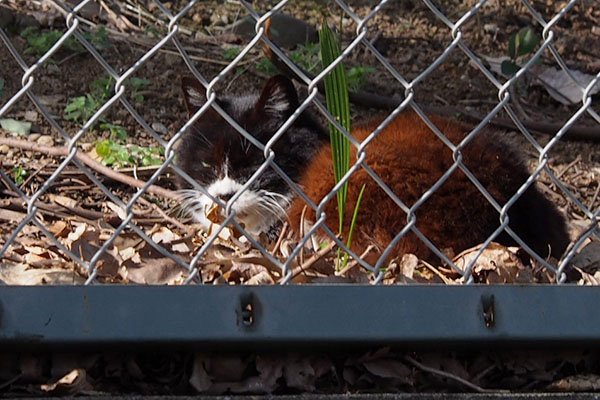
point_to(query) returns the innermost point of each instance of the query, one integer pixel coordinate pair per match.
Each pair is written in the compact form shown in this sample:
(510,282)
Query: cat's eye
(206,165)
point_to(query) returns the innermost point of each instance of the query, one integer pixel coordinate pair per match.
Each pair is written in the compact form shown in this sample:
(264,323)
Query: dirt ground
(408,34)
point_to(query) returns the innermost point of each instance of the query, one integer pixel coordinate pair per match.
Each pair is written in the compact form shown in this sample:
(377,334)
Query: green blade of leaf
(353,222)
(336,95)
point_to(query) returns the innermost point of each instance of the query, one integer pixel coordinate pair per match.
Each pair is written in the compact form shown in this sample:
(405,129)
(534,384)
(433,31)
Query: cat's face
(220,159)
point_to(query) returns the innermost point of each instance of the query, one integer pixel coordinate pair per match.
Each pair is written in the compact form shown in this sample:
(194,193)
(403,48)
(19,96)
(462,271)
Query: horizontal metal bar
(299,315)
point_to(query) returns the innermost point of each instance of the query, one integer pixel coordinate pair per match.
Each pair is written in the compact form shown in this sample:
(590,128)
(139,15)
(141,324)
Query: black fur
(212,142)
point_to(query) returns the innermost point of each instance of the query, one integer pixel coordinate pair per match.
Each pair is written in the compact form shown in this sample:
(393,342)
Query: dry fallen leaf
(130,253)
(155,271)
(262,278)
(299,373)
(23,274)
(164,235)
(577,383)
(63,200)
(72,383)
(80,229)
(199,378)
(60,229)
(388,368)
(562,88)
(116,209)
(496,264)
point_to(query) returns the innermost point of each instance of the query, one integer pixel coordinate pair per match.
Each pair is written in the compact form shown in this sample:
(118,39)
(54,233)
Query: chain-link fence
(92,259)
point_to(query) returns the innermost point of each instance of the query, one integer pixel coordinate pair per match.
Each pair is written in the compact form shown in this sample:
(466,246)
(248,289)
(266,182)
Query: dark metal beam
(299,315)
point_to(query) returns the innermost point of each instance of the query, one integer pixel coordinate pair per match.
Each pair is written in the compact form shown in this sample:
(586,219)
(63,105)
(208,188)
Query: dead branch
(448,375)
(58,210)
(313,259)
(95,165)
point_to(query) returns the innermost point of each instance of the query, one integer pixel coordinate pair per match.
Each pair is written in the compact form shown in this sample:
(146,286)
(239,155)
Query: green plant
(265,66)
(520,46)
(102,88)
(113,151)
(138,84)
(231,53)
(151,31)
(98,39)
(20,175)
(41,41)
(145,156)
(338,104)
(357,77)
(117,155)
(81,108)
(306,56)
(116,131)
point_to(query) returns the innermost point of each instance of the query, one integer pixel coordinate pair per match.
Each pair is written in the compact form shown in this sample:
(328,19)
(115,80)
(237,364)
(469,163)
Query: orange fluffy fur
(410,159)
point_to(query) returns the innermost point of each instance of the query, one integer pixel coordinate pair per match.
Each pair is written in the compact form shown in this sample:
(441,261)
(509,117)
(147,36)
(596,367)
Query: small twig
(569,166)
(483,373)
(589,228)
(117,18)
(451,376)
(280,238)
(595,196)
(517,104)
(166,216)
(33,175)
(136,11)
(63,211)
(589,277)
(67,58)
(302,233)
(55,210)
(437,272)
(354,263)
(10,381)
(313,259)
(441,99)
(87,160)
(212,60)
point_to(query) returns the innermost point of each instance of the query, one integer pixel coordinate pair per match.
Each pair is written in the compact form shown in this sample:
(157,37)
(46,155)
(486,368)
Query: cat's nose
(225,197)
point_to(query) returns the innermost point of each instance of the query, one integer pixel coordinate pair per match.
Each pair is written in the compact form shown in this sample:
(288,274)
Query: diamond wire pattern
(362,30)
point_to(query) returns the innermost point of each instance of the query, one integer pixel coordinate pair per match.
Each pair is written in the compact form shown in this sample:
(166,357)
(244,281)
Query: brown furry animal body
(410,159)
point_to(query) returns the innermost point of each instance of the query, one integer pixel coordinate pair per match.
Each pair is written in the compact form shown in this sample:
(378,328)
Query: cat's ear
(278,98)
(194,94)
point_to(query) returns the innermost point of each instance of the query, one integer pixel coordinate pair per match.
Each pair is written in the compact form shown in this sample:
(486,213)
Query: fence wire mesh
(94,254)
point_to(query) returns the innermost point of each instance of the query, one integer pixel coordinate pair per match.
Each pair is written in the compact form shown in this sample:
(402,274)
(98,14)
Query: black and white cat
(406,155)
(220,159)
